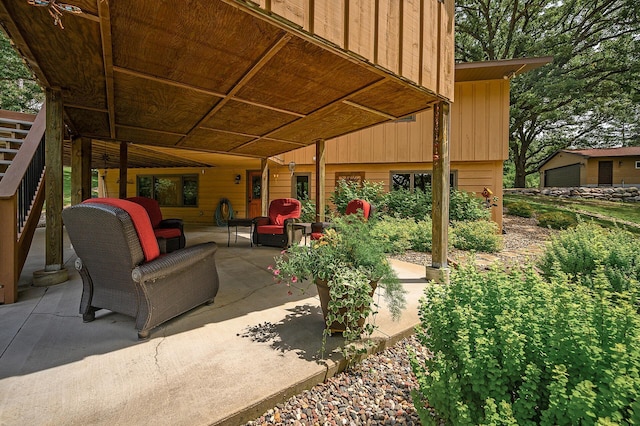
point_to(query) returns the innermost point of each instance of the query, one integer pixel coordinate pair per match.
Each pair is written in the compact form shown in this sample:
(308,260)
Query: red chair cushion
(152,207)
(282,209)
(271,229)
(167,232)
(355,205)
(141,223)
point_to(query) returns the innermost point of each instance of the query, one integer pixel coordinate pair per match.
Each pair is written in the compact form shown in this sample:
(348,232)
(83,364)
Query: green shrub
(308,211)
(421,238)
(580,251)
(556,220)
(464,206)
(394,234)
(349,190)
(406,204)
(481,235)
(521,209)
(510,348)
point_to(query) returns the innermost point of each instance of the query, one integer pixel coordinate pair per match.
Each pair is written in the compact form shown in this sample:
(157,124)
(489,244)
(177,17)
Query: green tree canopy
(587,97)
(18,88)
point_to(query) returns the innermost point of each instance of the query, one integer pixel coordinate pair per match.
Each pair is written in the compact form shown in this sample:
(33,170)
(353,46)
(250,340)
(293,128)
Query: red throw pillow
(141,223)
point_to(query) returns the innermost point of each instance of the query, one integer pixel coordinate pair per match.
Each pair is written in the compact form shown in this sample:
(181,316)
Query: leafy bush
(464,206)
(521,209)
(394,234)
(556,220)
(481,235)
(308,211)
(349,190)
(406,204)
(422,237)
(580,251)
(510,348)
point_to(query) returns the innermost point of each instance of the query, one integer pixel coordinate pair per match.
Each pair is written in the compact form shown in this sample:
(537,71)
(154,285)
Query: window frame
(637,164)
(453,178)
(294,184)
(349,175)
(182,177)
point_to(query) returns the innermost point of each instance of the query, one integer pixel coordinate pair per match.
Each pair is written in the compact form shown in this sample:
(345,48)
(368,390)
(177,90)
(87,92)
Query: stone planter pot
(323,294)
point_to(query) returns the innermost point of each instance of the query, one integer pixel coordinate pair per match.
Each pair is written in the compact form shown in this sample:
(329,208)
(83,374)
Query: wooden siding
(479,132)
(624,171)
(410,38)
(215,184)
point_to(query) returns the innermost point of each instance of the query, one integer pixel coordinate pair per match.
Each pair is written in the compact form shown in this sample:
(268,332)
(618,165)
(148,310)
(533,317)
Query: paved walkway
(218,364)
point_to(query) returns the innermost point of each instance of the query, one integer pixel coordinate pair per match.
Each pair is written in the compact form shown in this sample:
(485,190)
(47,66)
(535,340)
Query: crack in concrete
(23,323)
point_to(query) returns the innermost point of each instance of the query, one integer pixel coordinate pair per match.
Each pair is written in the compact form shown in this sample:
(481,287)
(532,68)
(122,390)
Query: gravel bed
(378,390)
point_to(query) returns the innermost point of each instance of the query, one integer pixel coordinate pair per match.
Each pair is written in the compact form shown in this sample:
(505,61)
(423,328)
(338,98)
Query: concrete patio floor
(221,364)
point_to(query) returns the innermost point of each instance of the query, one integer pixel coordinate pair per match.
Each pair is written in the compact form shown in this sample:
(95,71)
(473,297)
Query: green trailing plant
(556,220)
(346,256)
(481,235)
(521,209)
(579,252)
(512,348)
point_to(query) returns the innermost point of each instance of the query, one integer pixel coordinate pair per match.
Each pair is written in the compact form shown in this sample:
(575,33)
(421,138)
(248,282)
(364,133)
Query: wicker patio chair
(122,270)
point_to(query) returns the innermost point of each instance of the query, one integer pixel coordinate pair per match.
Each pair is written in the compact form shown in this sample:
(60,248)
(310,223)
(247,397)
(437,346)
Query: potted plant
(346,264)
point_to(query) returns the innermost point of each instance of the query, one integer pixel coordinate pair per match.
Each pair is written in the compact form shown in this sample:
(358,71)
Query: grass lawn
(66,190)
(606,213)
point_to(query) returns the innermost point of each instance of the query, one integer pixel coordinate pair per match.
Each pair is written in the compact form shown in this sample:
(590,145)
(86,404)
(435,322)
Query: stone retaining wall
(628,194)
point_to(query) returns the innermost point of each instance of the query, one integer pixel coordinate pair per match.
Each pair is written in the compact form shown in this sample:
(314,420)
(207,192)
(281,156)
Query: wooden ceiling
(204,75)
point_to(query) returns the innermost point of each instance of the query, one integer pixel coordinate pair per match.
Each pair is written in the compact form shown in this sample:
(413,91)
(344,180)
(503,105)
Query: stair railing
(21,199)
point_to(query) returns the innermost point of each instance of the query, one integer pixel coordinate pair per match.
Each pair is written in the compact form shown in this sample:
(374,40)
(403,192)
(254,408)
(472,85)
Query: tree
(19,90)
(588,95)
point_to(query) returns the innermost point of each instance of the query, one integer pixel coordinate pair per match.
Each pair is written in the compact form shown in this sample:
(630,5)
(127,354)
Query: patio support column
(439,269)
(54,271)
(264,192)
(122,193)
(320,180)
(80,170)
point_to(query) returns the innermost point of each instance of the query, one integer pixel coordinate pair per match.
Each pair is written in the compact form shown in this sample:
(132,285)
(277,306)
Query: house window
(407,119)
(169,190)
(417,179)
(300,187)
(637,164)
(357,177)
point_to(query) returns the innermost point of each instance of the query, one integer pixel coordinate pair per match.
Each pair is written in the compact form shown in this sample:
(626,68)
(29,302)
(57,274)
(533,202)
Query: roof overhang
(215,76)
(495,70)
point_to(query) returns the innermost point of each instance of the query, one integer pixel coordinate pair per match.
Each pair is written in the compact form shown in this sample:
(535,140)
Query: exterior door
(254,193)
(605,173)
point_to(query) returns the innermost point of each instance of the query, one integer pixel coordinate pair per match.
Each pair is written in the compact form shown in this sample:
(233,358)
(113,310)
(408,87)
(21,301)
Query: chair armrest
(174,262)
(171,223)
(261,220)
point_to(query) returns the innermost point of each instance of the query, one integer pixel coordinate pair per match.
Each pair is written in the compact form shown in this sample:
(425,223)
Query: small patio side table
(244,221)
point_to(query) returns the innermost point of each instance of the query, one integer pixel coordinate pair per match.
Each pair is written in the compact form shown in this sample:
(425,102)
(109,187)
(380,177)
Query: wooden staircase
(14,128)
(22,167)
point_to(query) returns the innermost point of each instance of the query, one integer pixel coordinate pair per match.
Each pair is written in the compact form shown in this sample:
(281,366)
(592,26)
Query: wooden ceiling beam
(200,90)
(86,108)
(247,135)
(371,110)
(319,110)
(158,153)
(144,129)
(107,59)
(251,72)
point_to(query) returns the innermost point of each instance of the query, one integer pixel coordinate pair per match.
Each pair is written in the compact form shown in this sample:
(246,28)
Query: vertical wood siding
(410,38)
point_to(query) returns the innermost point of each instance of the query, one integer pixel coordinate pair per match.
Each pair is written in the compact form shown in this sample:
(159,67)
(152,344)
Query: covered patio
(221,364)
(234,77)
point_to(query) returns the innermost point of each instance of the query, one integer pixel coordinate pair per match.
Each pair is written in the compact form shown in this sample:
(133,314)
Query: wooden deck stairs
(22,171)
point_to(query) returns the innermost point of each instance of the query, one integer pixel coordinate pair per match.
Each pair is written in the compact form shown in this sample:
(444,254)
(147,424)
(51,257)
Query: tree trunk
(520,180)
